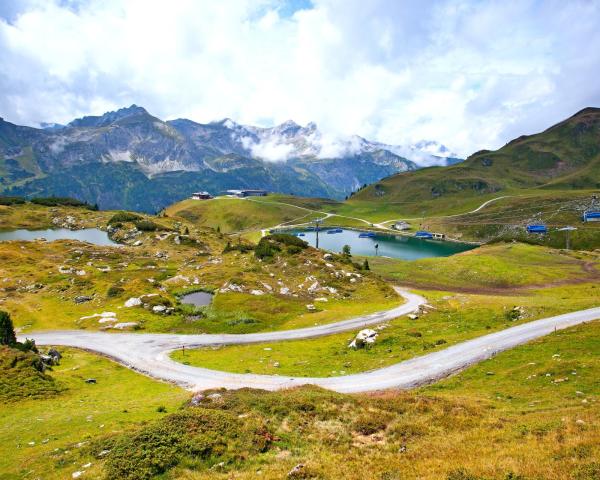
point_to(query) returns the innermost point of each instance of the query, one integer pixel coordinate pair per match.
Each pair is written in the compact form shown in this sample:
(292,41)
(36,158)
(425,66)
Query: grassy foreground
(530,413)
(40,437)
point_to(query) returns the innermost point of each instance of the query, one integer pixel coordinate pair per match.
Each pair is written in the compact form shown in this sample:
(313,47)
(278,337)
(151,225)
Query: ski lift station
(537,229)
(591,216)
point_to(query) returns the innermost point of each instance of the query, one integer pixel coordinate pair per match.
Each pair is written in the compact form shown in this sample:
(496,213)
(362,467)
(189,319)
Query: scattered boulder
(364,338)
(55,354)
(82,299)
(311,308)
(297,471)
(133,302)
(91,380)
(284,291)
(257,292)
(123,325)
(412,316)
(158,308)
(107,320)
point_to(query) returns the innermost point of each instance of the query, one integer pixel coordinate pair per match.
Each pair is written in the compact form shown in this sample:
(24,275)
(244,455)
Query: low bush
(370,423)
(62,202)
(114,291)
(120,217)
(11,200)
(286,239)
(239,247)
(270,245)
(22,376)
(146,225)
(197,435)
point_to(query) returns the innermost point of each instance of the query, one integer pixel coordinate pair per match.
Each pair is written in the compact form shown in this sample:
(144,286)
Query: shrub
(146,225)
(271,244)
(114,291)
(365,265)
(346,252)
(240,247)
(198,435)
(11,200)
(121,217)
(7,331)
(22,376)
(370,423)
(62,201)
(266,249)
(286,239)
(294,249)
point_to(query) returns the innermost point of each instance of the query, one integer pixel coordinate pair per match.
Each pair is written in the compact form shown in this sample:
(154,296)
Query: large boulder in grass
(363,339)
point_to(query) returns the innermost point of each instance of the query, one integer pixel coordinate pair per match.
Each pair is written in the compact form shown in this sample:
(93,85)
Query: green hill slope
(565,156)
(239,215)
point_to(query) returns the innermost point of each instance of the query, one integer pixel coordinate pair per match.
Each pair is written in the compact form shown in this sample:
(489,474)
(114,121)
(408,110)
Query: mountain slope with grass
(565,156)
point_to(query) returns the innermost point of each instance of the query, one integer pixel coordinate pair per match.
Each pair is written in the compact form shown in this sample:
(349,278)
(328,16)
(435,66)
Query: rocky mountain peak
(108,117)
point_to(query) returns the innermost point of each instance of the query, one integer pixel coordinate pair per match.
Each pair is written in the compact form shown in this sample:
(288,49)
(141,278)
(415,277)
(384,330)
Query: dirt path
(149,353)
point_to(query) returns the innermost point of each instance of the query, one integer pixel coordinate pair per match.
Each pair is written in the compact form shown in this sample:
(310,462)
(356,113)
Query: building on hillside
(591,216)
(201,196)
(537,228)
(401,226)
(247,193)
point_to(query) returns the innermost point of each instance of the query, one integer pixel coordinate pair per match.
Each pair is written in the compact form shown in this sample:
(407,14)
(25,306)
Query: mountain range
(131,159)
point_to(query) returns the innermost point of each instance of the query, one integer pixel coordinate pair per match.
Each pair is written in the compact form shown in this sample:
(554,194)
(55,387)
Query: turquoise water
(395,246)
(91,235)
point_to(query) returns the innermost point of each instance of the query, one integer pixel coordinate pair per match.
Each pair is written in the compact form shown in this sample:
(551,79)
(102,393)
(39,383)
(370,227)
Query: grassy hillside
(565,156)
(507,218)
(41,281)
(477,292)
(239,215)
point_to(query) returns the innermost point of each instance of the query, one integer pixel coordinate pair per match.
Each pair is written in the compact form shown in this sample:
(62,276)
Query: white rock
(137,243)
(81,273)
(121,326)
(63,269)
(256,292)
(107,320)
(327,256)
(353,280)
(178,279)
(310,307)
(133,302)
(77,474)
(108,314)
(412,316)
(321,299)
(363,338)
(158,308)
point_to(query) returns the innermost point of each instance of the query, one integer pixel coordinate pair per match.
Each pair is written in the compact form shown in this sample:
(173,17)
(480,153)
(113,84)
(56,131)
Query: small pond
(395,246)
(91,235)
(198,299)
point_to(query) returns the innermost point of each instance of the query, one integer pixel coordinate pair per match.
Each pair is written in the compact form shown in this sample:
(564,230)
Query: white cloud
(468,74)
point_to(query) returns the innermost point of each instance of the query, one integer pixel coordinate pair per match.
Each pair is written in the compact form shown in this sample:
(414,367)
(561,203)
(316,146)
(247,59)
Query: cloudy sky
(469,74)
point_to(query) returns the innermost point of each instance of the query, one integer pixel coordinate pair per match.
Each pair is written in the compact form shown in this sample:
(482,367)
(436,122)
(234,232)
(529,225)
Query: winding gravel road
(149,353)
